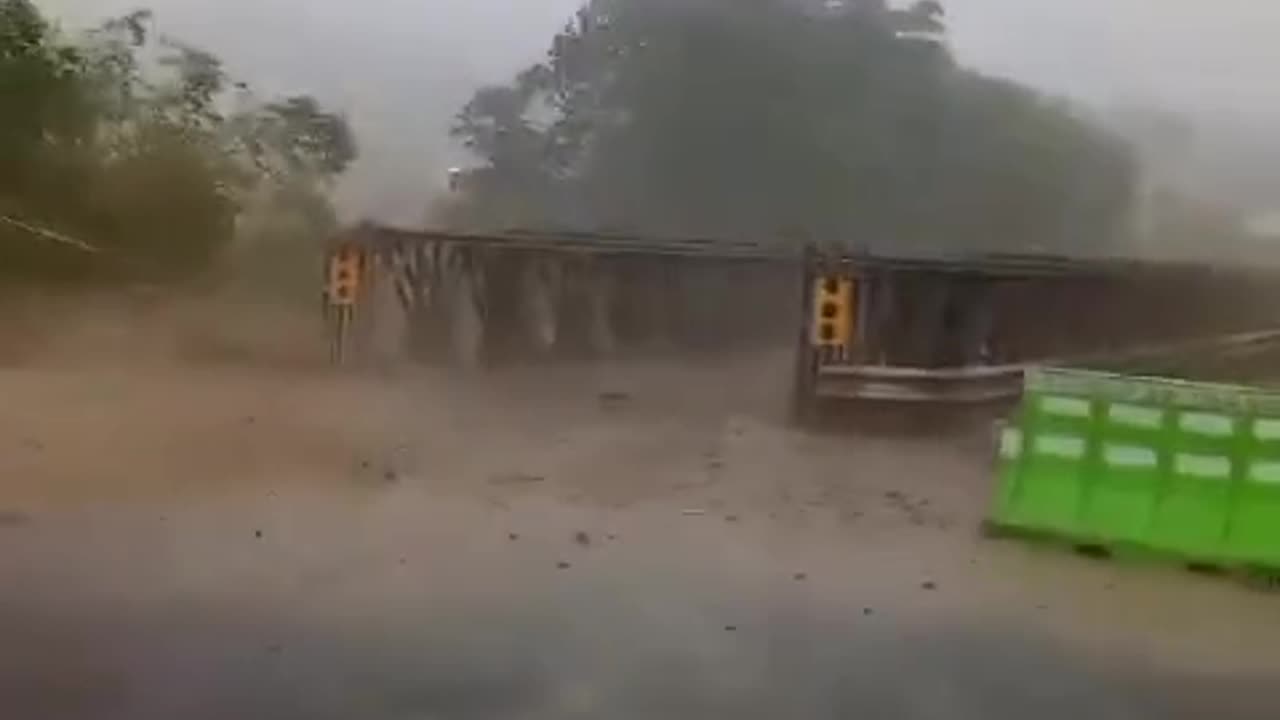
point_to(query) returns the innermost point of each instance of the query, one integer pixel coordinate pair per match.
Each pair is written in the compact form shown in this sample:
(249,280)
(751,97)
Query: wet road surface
(240,546)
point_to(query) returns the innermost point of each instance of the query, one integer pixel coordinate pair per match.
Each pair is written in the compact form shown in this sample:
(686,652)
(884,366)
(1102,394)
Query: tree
(144,146)
(843,121)
(39,84)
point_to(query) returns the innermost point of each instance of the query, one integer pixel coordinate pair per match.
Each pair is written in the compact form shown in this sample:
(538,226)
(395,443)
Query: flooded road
(626,542)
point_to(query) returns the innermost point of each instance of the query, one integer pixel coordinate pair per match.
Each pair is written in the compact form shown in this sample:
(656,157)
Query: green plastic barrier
(1187,469)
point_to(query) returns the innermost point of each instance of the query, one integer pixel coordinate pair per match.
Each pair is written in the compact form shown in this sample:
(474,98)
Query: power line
(50,235)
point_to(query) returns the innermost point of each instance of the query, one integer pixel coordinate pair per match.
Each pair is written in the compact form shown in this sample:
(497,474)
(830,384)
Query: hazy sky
(401,68)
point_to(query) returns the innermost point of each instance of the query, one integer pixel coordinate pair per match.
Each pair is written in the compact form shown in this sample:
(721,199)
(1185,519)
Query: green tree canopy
(144,147)
(835,121)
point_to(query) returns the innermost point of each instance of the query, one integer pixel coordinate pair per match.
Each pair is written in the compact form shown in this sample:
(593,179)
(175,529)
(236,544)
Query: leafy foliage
(144,147)
(835,121)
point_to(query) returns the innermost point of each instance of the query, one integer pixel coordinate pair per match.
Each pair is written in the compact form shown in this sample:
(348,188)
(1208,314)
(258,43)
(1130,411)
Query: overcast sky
(401,68)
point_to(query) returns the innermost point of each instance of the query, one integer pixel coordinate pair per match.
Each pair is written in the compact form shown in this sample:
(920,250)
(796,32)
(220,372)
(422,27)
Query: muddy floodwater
(632,541)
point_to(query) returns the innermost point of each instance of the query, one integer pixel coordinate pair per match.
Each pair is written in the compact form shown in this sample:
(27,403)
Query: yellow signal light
(833,312)
(345,267)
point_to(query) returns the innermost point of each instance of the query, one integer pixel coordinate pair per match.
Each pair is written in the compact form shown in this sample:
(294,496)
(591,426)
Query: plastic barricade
(1186,469)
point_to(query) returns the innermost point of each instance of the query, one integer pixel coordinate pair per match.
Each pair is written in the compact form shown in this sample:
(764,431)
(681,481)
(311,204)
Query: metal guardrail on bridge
(993,383)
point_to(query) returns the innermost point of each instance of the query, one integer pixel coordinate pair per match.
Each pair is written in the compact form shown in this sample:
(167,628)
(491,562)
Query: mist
(401,68)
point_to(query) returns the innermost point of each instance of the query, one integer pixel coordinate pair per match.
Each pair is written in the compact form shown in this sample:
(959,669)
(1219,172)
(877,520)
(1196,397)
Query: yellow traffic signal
(345,268)
(833,312)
